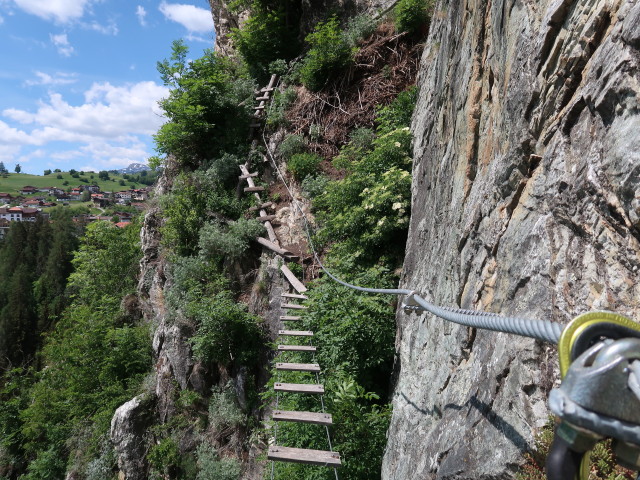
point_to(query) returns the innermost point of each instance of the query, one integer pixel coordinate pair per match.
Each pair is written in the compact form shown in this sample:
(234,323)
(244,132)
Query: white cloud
(60,11)
(1,19)
(59,78)
(61,42)
(194,19)
(108,127)
(141,13)
(110,29)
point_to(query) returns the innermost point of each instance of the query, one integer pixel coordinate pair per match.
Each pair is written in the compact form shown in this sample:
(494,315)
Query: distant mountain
(135,168)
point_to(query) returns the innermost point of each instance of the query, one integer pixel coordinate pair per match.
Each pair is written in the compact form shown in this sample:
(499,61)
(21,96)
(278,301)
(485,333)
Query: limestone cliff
(526,201)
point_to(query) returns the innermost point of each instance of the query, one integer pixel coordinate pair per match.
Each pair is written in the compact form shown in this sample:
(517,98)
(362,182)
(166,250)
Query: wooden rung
(266,218)
(293,307)
(296,348)
(267,89)
(295,283)
(253,189)
(294,295)
(264,97)
(272,246)
(259,107)
(260,207)
(298,367)
(299,387)
(287,318)
(255,125)
(296,333)
(317,418)
(248,175)
(304,455)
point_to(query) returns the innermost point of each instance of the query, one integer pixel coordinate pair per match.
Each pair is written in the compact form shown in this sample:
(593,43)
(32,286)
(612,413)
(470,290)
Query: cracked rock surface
(526,202)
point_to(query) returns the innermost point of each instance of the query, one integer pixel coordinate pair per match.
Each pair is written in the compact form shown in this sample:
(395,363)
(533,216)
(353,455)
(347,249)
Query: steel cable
(543,330)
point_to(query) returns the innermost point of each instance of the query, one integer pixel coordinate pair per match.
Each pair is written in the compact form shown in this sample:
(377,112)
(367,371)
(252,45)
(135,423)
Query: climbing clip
(599,396)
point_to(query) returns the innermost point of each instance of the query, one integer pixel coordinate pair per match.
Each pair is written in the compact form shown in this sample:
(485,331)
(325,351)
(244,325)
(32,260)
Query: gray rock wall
(526,201)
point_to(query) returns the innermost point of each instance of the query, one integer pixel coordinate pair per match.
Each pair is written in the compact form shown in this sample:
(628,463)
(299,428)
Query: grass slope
(15,181)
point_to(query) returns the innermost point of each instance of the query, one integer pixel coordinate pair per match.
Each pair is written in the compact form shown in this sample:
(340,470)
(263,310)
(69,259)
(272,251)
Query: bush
(267,35)
(312,186)
(301,165)
(359,28)
(225,331)
(412,15)
(291,145)
(230,243)
(224,410)
(164,455)
(330,53)
(212,467)
(276,115)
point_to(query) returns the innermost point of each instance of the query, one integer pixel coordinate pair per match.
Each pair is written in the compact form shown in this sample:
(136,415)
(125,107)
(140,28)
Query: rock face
(128,430)
(526,196)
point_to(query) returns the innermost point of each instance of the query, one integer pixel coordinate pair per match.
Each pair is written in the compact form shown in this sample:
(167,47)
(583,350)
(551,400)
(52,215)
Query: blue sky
(78,80)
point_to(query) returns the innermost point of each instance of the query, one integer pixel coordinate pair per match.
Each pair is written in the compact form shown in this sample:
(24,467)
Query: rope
(543,330)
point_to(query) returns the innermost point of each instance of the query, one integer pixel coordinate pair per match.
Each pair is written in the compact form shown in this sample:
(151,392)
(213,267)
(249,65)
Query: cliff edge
(525,201)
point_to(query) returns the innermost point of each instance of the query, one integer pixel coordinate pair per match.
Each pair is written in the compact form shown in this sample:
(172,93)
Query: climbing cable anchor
(410,305)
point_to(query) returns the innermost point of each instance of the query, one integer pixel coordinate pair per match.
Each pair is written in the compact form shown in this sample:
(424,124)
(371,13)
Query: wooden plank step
(296,348)
(298,367)
(267,89)
(289,318)
(255,125)
(259,107)
(299,388)
(317,418)
(304,455)
(264,97)
(294,295)
(260,207)
(266,218)
(272,246)
(248,175)
(293,307)
(253,189)
(296,333)
(295,283)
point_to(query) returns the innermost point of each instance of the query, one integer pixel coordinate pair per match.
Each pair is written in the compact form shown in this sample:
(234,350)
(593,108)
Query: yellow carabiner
(568,337)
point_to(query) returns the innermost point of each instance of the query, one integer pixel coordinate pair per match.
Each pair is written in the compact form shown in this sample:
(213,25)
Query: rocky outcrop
(526,190)
(128,435)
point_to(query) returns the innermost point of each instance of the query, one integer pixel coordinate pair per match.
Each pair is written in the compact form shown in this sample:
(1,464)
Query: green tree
(3,169)
(47,171)
(18,168)
(208,108)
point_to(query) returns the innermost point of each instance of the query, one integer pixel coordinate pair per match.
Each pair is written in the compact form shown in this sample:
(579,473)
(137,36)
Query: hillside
(13,182)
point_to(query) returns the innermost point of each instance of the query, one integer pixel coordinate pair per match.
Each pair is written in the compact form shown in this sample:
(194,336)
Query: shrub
(359,28)
(276,115)
(330,53)
(312,186)
(212,467)
(224,410)
(164,455)
(412,15)
(267,35)
(301,165)
(291,145)
(225,331)
(231,242)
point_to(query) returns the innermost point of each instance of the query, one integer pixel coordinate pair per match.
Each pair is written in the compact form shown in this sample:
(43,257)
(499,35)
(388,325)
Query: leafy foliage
(330,53)
(291,145)
(302,165)
(269,34)
(368,211)
(94,363)
(412,15)
(212,467)
(208,107)
(229,243)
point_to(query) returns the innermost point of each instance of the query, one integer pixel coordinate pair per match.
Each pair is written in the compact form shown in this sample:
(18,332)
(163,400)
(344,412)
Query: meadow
(13,182)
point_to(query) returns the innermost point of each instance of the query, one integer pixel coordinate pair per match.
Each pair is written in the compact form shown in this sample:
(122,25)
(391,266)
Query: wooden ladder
(289,454)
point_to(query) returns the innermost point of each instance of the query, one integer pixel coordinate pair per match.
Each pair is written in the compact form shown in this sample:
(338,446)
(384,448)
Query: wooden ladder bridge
(277,452)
